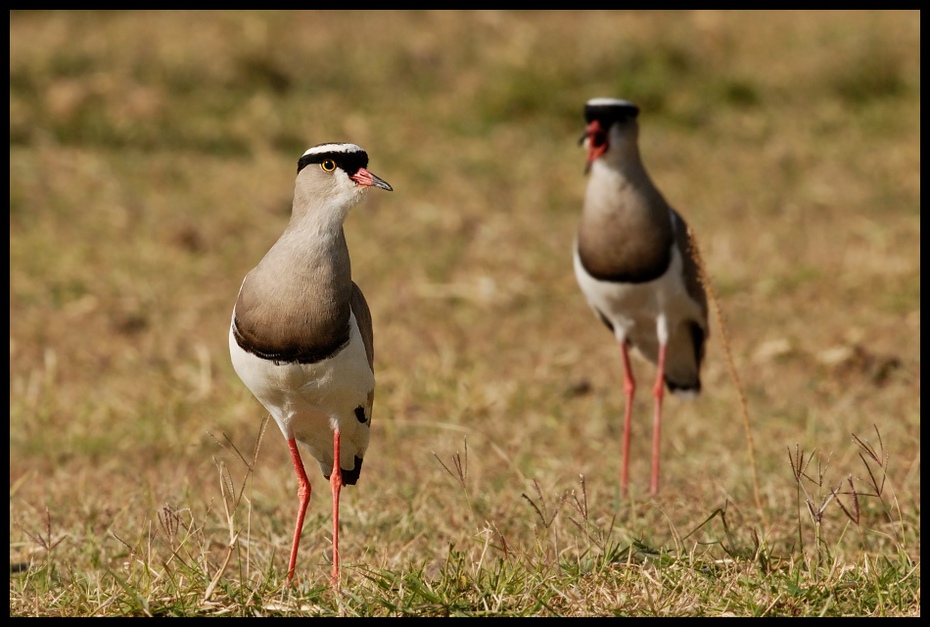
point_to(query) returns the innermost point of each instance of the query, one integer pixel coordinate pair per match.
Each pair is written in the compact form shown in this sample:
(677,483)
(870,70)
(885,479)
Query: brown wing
(689,253)
(363,317)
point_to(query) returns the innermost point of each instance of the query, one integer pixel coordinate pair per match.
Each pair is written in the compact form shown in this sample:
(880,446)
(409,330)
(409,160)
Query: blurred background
(152,161)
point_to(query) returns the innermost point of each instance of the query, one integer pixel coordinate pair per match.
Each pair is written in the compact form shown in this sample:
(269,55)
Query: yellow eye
(328,165)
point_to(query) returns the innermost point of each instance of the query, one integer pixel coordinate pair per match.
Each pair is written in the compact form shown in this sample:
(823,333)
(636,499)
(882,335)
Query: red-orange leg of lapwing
(303,493)
(629,387)
(335,481)
(658,391)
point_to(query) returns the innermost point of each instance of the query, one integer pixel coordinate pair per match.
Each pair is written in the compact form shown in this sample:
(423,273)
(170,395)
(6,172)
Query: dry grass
(151,164)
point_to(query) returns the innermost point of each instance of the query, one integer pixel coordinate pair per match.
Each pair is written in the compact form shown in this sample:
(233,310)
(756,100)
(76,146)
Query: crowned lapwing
(635,264)
(301,333)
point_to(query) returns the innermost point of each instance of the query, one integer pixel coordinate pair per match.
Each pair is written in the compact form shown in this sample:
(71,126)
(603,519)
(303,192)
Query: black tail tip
(688,389)
(350,477)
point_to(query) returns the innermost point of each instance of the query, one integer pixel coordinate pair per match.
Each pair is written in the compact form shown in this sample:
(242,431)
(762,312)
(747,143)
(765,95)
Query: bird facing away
(301,336)
(635,264)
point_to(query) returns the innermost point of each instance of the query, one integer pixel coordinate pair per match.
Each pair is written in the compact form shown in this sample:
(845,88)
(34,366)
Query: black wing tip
(350,477)
(684,389)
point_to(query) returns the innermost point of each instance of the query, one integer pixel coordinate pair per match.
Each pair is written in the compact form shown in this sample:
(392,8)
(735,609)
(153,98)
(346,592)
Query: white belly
(645,314)
(310,401)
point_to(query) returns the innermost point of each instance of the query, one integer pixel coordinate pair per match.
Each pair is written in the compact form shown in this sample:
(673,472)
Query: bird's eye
(328,165)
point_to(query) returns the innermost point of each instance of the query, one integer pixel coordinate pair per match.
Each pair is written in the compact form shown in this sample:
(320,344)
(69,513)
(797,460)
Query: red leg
(629,387)
(335,481)
(658,391)
(303,493)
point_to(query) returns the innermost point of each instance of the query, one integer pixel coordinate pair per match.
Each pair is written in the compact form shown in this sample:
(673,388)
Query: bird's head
(336,173)
(608,120)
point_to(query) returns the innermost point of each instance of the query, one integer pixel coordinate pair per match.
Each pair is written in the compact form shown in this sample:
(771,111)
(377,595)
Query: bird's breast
(302,320)
(623,235)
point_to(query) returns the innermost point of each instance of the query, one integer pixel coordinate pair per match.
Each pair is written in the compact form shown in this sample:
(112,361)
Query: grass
(151,165)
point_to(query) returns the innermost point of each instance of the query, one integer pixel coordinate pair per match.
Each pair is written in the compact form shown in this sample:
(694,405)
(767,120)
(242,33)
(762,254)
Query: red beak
(366,179)
(597,142)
